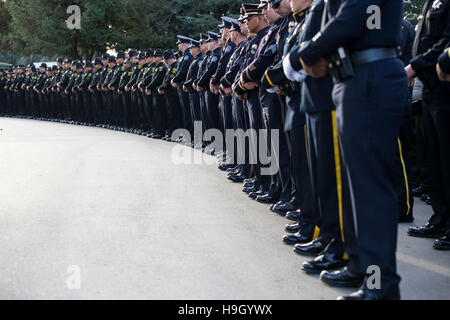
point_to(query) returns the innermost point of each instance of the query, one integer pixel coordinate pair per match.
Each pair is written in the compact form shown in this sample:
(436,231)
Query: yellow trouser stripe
(405,175)
(337,161)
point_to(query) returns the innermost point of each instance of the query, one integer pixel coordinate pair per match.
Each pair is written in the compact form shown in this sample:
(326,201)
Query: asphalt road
(88,213)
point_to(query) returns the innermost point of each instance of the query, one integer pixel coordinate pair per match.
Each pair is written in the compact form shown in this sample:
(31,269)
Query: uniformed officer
(432,37)
(125,76)
(87,116)
(185,62)
(62,84)
(107,94)
(174,113)
(159,102)
(148,99)
(137,111)
(3,80)
(96,101)
(370,95)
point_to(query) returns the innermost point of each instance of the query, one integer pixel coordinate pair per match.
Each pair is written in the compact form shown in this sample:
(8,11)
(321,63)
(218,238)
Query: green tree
(5,19)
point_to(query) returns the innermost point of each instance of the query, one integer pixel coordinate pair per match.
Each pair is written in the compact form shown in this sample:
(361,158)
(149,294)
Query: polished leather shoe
(282,208)
(296,238)
(294,215)
(251,180)
(417,192)
(237,179)
(326,261)
(342,278)
(157,136)
(426,198)
(443,243)
(313,248)
(266,198)
(255,194)
(224,167)
(426,231)
(366,294)
(250,189)
(293,227)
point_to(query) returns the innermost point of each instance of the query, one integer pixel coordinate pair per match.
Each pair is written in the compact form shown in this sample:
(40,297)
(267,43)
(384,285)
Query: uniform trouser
(149,119)
(188,123)
(118,109)
(240,122)
(79,106)
(253,108)
(87,107)
(227,114)
(404,187)
(173,110)
(107,107)
(301,177)
(140,111)
(436,120)
(203,111)
(159,112)
(212,107)
(272,109)
(125,119)
(2,102)
(196,114)
(370,110)
(420,169)
(326,177)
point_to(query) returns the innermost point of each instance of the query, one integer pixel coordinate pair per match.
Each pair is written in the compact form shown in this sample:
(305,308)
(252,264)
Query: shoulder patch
(228,49)
(186,58)
(214,59)
(254,48)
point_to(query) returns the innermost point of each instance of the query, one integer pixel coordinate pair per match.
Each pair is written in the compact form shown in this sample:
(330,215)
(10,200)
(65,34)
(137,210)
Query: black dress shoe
(293,227)
(366,294)
(157,136)
(313,248)
(342,278)
(443,243)
(224,167)
(255,194)
(282,208)
(417,192)
(250,189)
(266,198)
(296,238)
(249,184)
(237,179)
(426,231)
(251,180)
(326,261)
(426,198)
(294,215)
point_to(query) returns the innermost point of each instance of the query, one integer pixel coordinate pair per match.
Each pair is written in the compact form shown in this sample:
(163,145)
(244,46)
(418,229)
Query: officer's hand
(148,92)
(127,89)
(242,96)
(227,91)
(441,74)
(112,88)
(411,74)
(250,85)
(174,84)
(119,91)
(133,89)
(318,70)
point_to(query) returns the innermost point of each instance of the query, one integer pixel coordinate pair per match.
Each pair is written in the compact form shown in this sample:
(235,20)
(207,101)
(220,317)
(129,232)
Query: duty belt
(373,55)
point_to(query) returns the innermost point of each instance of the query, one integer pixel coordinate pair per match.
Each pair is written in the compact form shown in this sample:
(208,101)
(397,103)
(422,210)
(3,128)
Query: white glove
(273,89)
(290,73)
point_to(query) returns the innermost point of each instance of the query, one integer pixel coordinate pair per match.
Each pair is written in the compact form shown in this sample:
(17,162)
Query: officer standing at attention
(432,37)
(96,101)
(125,95)
(185,61)
(370,96)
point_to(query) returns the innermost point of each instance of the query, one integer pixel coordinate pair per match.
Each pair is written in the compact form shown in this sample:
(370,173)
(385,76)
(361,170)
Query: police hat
(158,53)
(242,17)
(183,39)
(133,53)
(168,54)
(89,64)
(142,55)
(274,3)
(43,65)
(55,68)
(111,59)
(105,56)
(203,38)
(121,54)
(252,9)
(98,61)
(194,44)
(33,68)
(68,60)
(78,65)
(227,22)
(212,36)
(149,53)
(263,4)
(236,27)
(60,60)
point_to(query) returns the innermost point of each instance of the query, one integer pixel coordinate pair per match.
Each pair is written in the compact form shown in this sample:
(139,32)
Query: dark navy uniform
(371,103)
(432,37)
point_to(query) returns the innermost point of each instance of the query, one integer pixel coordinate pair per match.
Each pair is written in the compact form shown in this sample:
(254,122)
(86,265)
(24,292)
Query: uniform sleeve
(430,57)
(210,69)
(347,26)
(183,69)
(444,61)
(222,67)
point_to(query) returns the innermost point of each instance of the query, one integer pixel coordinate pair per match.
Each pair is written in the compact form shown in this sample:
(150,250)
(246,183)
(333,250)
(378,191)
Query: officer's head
(255,18)
(149,56)
(269,13)
(43,68)
(158,55)
(59,62)
(213,41)
(49,72)
(54,69)
(88,66)
(169,57)
(105,59)
(281,7)
(195,47)
(120,57)
(111,61)
(297,5)
(134,56)
(98,63)
(79,67)
(142,58)
(183,43)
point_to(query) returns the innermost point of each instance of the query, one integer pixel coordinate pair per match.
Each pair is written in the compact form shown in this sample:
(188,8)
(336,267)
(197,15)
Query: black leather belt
(373,55)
